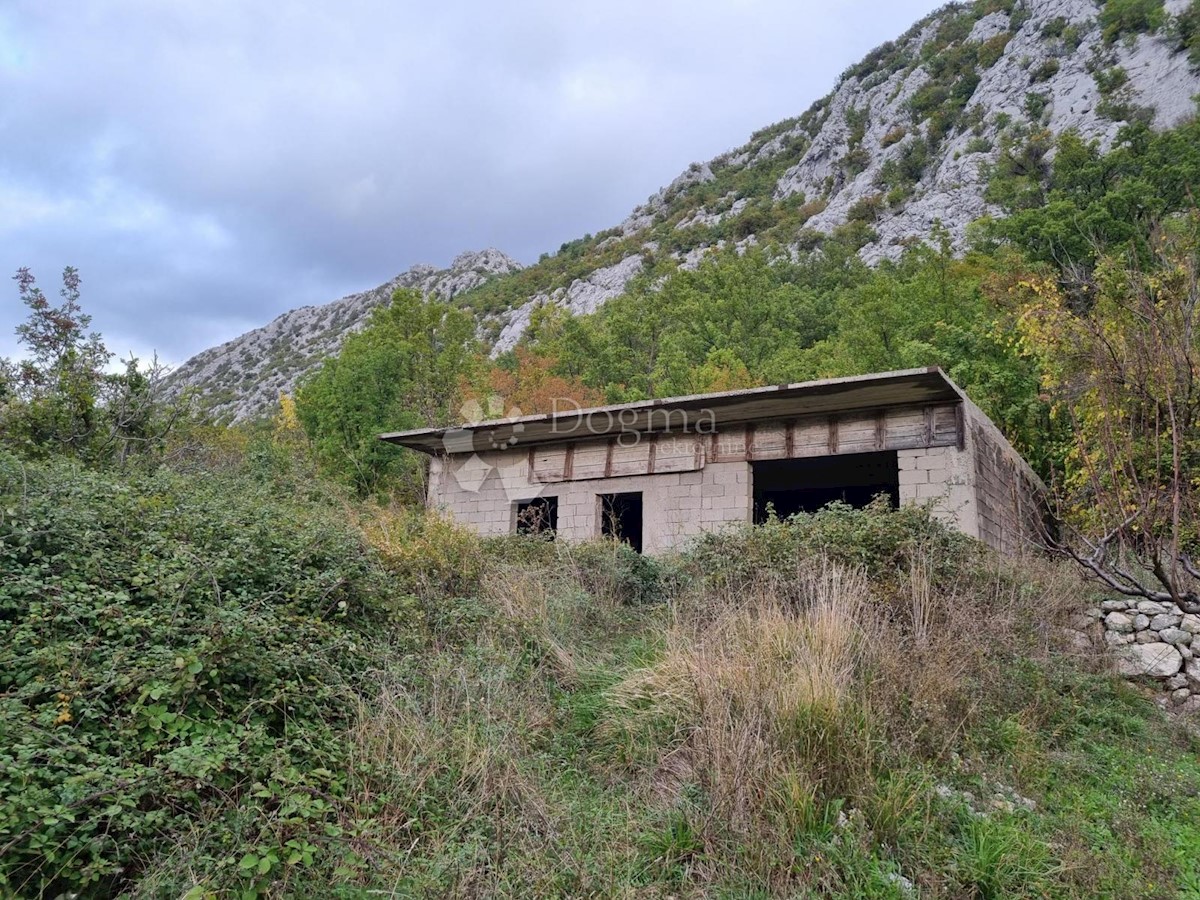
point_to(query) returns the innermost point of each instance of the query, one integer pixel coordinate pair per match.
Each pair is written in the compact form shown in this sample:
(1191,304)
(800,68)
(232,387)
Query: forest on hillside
(242,661)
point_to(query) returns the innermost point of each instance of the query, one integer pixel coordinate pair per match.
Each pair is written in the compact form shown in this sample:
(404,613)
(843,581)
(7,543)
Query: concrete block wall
(1009,509)
(984,489)
(944,475)
(978,484)
(480,490)
(676,506)
(1011,503)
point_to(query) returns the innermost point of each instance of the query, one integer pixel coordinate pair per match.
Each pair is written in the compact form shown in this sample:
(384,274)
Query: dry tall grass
(444,766)
(454,746)
(758,712)
(759,690)
(949,638)
(789,696)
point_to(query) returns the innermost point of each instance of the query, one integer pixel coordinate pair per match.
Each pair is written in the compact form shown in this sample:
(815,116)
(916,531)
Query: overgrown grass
(846,704)
(840,705)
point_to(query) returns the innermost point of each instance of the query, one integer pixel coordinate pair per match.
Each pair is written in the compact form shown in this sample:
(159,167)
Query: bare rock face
(243,378)
(1037,69)
(1036,60)
(584,295)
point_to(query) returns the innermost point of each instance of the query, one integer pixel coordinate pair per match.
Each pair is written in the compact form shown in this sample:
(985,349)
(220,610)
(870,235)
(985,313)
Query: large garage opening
(790,486)
(621,518)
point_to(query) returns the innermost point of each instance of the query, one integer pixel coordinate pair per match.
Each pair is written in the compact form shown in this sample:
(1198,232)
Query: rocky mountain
(906,140)
(243,378)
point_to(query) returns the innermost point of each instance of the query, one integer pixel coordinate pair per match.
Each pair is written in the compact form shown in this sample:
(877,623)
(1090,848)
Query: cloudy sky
(208,164)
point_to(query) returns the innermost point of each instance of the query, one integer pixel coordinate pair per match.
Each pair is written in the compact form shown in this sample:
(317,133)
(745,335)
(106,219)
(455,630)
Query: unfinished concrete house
(659,472)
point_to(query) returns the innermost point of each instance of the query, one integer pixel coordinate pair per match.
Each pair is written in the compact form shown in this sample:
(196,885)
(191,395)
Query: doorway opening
(538,516)
(790,486)
(621,518)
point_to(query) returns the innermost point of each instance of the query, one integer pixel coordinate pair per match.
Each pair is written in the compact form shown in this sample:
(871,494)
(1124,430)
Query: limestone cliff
(243,378)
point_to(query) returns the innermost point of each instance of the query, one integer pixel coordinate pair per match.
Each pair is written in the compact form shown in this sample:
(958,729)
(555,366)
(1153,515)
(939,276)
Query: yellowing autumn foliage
(1122,367)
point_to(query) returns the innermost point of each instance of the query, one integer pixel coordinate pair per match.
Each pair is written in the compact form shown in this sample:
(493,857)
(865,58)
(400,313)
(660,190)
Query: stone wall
(1151,641)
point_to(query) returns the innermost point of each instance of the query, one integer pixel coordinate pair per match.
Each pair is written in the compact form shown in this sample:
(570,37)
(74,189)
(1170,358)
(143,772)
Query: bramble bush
(178,661)
(882,540)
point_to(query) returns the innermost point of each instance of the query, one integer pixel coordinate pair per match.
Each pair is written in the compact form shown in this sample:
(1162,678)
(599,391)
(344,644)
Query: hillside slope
(265,700)
(243,378)
(905,141)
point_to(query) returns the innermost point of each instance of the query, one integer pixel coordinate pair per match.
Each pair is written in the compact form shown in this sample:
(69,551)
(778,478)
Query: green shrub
(428,557)
(854,235)
(866,209)
(177,657)
(1186,28)
(896,197)
(929,97)
(883,60)
(1120,17)
(1120,110)
(1035,105)
(613,571)
(857,120)
(973,118)
(1109,80)
(905,169)
(992,49)
(1045,71)
(1021,171)
(1054,27)
(881,539)
(855,162)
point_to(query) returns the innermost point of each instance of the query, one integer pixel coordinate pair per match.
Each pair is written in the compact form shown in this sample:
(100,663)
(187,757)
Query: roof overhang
(910,387)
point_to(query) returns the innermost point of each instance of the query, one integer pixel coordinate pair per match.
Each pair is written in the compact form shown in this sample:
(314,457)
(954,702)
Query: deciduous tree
(405,369)
(1125,374)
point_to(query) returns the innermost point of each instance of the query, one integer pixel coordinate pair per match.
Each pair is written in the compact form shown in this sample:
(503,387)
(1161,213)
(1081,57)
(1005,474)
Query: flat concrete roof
(909,387)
